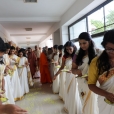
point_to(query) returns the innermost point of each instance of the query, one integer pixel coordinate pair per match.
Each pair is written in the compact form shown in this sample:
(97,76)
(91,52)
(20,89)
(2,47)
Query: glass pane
(97,31)
(109,14)
(77,45)
(71,33)
(96,22)
(76,29)
(98,41)
(110,27)
(79,28)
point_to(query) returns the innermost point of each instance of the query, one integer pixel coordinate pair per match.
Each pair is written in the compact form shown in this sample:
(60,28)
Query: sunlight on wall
(48,43)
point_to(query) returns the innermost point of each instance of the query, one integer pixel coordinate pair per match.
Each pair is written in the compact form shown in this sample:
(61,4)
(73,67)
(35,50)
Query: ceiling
(43,8)
(17,30)
(15,16)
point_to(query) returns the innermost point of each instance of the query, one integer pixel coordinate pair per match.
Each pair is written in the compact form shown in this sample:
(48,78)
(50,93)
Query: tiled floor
(41,100)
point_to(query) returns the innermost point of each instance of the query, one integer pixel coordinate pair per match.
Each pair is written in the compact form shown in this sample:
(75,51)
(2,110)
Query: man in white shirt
(37,53)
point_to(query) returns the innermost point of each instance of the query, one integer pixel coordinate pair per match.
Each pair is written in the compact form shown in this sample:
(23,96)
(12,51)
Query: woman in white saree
(50,55)
(102,69)
(30,81)
(7,77)
(6,108)
(2,81)
(55,59)
(85,55)
(62,74)
(75,106)
(14,75)
(69,52)
(68,66)
(22,71)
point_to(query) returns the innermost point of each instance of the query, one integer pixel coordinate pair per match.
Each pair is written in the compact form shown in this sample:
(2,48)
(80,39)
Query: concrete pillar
(64,34)
(56,37)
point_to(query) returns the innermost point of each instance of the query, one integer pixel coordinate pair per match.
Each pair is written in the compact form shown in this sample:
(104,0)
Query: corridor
(41,100)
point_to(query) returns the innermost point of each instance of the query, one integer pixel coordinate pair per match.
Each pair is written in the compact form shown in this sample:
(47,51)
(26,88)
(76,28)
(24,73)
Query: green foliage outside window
(99,25)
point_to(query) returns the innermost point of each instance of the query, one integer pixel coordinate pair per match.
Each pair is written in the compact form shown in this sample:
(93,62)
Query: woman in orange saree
(44,68)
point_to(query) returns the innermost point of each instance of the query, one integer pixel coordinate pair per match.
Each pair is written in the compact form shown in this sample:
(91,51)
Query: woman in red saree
(44,68)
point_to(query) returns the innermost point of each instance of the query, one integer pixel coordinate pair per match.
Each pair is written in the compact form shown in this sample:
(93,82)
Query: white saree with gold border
(15,81)
(75,106)
(62,82)
(68,78)
(2,68)
(107,84)
(8,86)
(55,86)
(88,98)
(22,71)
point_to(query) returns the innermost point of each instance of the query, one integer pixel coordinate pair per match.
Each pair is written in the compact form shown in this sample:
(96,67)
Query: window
(77,45)
(109,16)
(71,33)
(97,41)
(76,29)
(96,22)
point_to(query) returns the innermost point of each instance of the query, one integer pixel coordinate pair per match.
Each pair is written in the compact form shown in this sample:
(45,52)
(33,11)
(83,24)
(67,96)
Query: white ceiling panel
(43,8)
(15,16)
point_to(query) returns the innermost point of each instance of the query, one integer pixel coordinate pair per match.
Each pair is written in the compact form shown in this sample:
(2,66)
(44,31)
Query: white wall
(6,36)
(56,37)
(42,44)
(47,42)
(13,39)
(64,34)
(26,46)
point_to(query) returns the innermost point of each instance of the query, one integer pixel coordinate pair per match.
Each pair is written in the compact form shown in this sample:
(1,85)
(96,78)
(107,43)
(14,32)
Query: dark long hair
(2,49)
(12,48)
(91,51)
(103,60)
(7,46)
(2,45)
(55,47)
(23,51)
(60,47)
(69,44)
